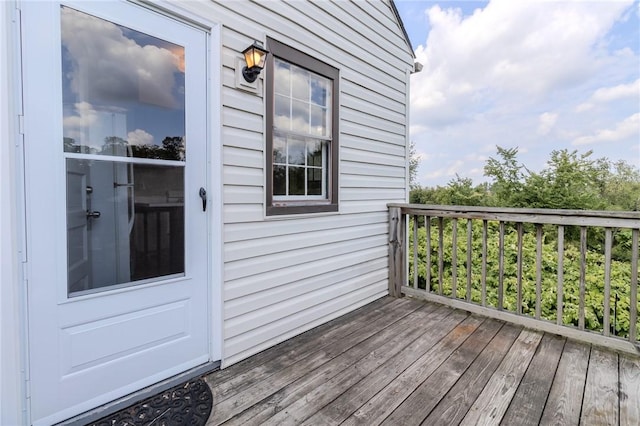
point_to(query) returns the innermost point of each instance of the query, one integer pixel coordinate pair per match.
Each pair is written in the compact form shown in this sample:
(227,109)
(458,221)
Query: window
(302,132)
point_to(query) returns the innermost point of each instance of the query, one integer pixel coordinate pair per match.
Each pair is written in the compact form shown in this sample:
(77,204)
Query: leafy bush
(594,272)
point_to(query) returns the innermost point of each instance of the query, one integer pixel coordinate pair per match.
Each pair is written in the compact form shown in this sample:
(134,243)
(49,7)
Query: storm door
(115,160)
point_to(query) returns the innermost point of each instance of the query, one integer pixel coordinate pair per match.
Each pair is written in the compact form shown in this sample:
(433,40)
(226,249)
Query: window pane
(279,180)
(279,150)
(122,90)
(319,90)
(282,119)
(296,180)
(314,181)
(125,223)
(314,153)
(296,151)
(300,83)
(318,121)
(282,79)
(300,122)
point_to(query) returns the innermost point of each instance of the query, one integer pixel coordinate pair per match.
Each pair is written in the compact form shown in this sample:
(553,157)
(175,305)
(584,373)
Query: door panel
(117,238)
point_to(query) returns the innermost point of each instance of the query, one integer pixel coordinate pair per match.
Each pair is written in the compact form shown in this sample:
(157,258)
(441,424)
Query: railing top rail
(549,212)
(612,219)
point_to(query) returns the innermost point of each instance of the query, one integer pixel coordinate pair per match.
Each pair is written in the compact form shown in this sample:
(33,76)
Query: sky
(536,75)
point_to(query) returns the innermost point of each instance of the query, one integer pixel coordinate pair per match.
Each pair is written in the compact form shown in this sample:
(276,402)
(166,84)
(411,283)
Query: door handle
(203,195)
(92,214)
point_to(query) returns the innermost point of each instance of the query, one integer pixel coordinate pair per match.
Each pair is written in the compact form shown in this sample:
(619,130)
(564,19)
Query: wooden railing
(568,272)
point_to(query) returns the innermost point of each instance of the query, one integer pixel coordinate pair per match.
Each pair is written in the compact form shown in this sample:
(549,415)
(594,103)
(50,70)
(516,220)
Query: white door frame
(215,186)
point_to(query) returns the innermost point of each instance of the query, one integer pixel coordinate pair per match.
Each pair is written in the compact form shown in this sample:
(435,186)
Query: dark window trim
(303,60)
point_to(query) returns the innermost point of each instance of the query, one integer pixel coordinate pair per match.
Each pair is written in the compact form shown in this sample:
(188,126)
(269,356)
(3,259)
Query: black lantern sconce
(255,57)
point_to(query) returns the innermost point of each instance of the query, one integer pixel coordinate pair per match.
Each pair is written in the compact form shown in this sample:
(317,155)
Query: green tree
(507,176)
(414,162)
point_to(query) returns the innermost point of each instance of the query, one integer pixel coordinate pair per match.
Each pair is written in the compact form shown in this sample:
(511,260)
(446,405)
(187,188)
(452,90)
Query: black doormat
(186,404)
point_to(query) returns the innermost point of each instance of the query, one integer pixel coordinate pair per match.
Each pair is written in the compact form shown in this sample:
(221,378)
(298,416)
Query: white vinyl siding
(286,275)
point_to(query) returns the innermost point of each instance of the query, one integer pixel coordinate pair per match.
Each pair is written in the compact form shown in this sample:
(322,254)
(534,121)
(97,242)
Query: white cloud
(536,75)
(119,68)
(506,53)
(139,137)
(546,121)
(627,128)
(610,94)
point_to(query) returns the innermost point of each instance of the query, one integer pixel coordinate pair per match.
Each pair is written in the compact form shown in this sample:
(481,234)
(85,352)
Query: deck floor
(405,362)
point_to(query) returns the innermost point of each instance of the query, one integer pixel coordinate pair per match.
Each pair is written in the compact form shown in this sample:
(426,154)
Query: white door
(115,124)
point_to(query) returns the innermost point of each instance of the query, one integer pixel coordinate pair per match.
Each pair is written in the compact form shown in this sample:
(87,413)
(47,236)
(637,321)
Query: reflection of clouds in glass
(285,123)
(319,125)
(300,119)
(85,116)
(320,94)
(302,100)
(89,125)
(106,65)
(299,84)
(139,137)
(282,77)
(296,152)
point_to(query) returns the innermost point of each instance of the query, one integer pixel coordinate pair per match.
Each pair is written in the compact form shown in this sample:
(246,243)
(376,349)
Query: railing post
(397,255)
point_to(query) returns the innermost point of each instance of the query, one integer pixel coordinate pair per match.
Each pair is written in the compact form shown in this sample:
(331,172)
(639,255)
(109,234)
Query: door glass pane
(125,223)
(123,90)
(123,96)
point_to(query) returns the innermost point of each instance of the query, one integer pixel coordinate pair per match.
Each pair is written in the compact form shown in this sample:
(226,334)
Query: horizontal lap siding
(283,276)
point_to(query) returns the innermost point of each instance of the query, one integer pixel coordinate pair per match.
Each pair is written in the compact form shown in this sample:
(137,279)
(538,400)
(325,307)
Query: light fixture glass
(255,57)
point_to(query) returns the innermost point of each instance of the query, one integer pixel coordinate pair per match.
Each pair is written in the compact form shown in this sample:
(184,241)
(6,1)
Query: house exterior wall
(285,275)
(280,275)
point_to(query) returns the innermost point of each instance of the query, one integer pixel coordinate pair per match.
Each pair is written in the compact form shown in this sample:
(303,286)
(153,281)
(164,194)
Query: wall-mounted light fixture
(255,56)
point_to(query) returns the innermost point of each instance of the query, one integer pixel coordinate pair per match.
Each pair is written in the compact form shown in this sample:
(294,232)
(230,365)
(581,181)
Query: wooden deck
(404,362)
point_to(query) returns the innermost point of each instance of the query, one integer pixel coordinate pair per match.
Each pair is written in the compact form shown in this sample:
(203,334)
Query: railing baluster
(454,258)
(583,275)
(397,256)
(440,254)
(519,269)
(560,300)
(415,251)
(606,320)
(469,247)
(512,277)
(633,309)
(501,265)
(427,221)
(484,263)
(538,270)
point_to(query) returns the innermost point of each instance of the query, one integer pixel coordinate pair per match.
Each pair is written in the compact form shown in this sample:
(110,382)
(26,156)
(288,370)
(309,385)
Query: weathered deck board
(257,367)
(400,361)
(352,399)
(528,403)
(319,397)
(379,407)
(629,391)
(367,356)
(419,404)
(600,403)
(454,406)
(565,398)
(311,358)
(494,399)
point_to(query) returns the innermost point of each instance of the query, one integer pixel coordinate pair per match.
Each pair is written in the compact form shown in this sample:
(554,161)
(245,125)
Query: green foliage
(571,180)
(593,283)
(414,161)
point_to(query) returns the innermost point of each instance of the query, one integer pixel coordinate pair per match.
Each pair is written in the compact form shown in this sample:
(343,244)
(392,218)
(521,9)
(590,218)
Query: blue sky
(537,75)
